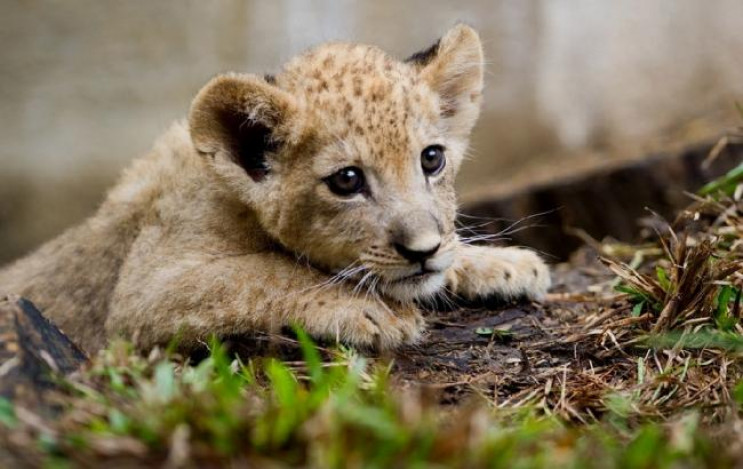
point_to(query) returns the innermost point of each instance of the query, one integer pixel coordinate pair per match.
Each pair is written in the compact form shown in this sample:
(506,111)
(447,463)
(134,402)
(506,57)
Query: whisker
(371,289)
(515,227)
(483,237)
(339,277)
(357,289)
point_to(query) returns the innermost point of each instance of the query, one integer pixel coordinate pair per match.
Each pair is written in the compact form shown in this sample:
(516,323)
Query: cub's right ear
(243,118)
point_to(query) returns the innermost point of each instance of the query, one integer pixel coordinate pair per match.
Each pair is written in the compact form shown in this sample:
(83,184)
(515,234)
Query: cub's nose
(416,235)
(419,249)
(416,256)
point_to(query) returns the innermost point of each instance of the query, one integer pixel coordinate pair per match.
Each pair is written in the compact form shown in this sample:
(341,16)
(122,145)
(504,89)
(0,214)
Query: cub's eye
(346,181)
(433,160)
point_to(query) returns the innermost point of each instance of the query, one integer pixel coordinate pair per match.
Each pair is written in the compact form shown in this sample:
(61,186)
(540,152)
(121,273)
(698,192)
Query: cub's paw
(368,324)
(481,272)
(385,327)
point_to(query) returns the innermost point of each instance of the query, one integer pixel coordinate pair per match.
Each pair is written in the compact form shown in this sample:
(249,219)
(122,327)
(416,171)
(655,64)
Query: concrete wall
(85,85)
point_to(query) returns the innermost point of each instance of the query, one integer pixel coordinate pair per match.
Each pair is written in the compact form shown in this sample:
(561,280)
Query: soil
(503,351)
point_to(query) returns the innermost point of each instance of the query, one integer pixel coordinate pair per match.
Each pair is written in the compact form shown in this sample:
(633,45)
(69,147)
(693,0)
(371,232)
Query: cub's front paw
(385,327)
(484,272)
(367,323)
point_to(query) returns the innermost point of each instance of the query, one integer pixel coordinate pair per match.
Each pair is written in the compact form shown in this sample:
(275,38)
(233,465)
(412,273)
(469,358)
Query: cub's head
(348,157)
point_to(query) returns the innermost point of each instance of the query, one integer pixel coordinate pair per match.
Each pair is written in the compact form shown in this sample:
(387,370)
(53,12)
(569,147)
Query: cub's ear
(453,67)
(243,118)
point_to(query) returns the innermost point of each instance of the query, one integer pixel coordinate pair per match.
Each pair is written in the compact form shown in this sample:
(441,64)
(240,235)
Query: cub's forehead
(359,89)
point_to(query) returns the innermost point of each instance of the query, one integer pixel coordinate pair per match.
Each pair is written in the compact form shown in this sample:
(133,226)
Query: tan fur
(228,226)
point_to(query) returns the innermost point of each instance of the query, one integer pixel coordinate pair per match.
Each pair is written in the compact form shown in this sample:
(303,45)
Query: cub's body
(322,197)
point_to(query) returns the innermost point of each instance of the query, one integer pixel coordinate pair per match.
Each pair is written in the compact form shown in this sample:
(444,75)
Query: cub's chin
(415,288)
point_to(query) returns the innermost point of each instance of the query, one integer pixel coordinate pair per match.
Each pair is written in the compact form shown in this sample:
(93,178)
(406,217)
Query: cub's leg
(482,272)
(193,298)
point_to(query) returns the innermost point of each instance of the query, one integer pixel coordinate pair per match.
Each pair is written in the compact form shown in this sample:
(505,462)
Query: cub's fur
(301,198)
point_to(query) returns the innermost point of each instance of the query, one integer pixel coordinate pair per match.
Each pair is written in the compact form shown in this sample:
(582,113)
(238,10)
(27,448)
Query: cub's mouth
(403,281)
(419,285)
(416,277)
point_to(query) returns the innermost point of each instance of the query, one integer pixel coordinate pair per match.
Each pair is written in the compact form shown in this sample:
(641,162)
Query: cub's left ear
(244,119)
(453,67)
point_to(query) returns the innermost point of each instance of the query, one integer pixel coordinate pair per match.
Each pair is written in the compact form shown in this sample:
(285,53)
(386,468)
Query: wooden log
(604,202)
(33,352)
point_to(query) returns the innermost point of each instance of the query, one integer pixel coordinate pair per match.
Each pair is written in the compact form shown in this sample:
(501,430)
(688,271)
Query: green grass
(344,413)
(726,184)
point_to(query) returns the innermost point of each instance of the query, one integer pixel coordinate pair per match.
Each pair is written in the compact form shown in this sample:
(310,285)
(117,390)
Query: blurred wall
(86,85)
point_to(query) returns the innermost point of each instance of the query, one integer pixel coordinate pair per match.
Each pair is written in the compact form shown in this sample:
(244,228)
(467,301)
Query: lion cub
(323,196)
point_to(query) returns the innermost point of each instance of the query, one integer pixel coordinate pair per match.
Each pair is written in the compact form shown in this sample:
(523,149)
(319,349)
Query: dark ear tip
(459,33)
(425,56)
